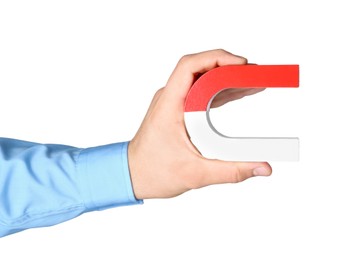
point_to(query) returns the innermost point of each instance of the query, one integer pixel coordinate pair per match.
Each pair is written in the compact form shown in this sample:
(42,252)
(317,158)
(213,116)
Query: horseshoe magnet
(215,145)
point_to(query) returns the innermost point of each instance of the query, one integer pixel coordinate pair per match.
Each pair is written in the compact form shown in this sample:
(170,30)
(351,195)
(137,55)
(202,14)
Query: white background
(83,73)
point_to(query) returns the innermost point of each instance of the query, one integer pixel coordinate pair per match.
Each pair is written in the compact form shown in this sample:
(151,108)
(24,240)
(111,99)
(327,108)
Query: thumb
(217,172)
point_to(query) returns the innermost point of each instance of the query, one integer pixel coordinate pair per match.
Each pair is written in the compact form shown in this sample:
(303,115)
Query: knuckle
(220,51)
(158,93)
(185,59)
(235,177)
(238,175)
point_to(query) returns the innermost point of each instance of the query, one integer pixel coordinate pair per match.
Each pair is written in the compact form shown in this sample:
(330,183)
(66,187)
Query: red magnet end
(239,76)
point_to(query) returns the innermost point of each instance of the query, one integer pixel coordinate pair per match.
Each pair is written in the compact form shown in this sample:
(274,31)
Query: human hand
(163,162)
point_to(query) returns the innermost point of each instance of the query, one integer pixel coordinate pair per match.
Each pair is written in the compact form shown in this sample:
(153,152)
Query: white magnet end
(211,144)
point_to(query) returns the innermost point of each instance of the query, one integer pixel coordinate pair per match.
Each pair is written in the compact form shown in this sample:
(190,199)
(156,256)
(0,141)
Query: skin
(163,162)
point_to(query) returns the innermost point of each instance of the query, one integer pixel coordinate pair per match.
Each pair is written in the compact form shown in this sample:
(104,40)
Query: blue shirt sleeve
(43,185)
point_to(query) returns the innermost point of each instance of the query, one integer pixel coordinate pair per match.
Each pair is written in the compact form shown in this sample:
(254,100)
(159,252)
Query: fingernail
(261,171)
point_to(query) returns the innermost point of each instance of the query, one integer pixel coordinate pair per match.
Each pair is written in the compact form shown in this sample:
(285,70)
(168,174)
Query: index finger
(190,65)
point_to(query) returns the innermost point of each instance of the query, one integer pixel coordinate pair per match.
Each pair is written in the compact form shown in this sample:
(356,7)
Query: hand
(163,162)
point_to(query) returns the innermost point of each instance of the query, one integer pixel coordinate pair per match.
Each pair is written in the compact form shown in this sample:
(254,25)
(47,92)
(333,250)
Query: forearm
(42,185)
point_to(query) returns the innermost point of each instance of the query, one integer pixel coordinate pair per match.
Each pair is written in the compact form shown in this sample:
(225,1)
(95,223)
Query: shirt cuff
(104,178)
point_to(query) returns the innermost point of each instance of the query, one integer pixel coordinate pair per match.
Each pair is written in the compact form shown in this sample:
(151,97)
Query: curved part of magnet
(215,145)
